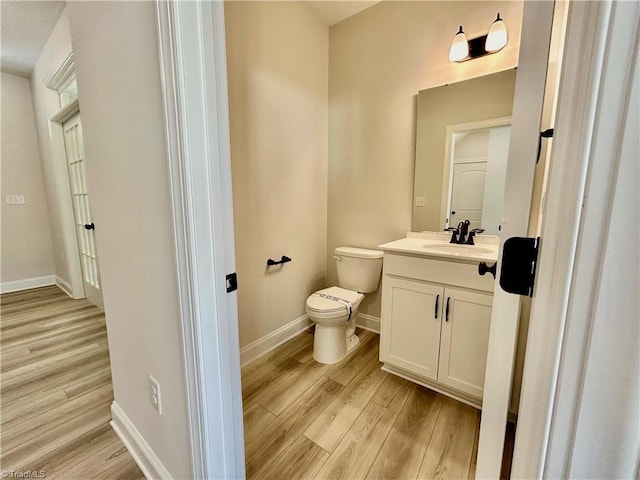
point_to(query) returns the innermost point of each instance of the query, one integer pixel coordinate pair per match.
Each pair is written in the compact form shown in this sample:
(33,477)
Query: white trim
(27,283)
(533,59)
(60,79)
(447,164)
(66,112)
(267,343)
(191,37)
(368,322)
(144,456)
(64,285)
(592,104)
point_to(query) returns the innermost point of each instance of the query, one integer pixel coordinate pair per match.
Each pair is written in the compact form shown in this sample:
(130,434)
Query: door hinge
(548,133)
(232,282)
(519,261)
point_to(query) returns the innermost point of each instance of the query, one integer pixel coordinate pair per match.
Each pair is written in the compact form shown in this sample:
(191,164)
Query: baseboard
(139,449)
(64,286)
(27,284)
(277,337)
(369,322)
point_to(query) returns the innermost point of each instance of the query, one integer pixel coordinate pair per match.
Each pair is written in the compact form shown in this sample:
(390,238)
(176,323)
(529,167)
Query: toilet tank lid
(358,252)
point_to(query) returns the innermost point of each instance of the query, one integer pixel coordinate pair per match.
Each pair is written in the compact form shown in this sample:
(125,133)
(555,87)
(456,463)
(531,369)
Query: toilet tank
(358,268)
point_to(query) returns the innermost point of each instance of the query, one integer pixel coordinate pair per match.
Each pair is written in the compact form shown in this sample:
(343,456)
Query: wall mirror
(462,139)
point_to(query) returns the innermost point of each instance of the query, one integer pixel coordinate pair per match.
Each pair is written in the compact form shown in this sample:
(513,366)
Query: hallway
(56,389)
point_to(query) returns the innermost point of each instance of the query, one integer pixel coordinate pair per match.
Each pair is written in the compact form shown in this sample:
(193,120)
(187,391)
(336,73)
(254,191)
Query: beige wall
(277,59)
(118,72)
(379,60)
(45,105)
(27,251)
(470,101)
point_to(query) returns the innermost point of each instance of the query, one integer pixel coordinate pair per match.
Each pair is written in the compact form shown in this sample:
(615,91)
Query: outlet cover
(154,395)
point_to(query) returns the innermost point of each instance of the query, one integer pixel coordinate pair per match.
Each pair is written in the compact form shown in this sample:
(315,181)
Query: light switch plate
(420,201)
(14,200)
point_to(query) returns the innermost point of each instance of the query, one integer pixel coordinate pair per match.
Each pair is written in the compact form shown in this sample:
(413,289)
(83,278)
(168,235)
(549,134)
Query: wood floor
(351,420)
(56,389)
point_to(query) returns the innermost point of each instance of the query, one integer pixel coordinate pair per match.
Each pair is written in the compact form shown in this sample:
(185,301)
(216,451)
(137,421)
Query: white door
(464,340)
(414,310)
(467,193)
(85,228)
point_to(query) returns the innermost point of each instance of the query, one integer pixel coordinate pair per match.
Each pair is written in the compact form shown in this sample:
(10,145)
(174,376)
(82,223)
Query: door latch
(232,282)
(519,261)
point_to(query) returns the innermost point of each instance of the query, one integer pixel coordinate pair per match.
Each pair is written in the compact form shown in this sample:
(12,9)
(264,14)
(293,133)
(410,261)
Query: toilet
(334,309)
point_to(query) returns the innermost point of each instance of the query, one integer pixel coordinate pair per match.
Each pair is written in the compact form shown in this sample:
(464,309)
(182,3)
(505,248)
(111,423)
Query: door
(85,228)
(411,337)
(467,193)
(464,340)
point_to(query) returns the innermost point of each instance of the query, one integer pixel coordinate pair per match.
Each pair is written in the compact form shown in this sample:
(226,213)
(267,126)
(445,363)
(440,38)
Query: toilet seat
(321,307)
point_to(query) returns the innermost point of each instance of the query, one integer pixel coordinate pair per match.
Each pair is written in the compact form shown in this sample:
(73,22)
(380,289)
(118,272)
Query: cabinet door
(410,326)
(464,341)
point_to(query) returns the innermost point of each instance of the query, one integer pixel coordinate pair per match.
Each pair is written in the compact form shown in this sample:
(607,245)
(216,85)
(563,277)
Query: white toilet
(334,309)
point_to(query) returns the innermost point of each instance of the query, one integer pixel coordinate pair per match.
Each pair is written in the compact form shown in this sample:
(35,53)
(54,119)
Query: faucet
(459,233)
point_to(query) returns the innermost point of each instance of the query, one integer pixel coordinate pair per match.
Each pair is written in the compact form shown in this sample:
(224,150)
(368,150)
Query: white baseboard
(139,449)
(277,337)
(64,286)
(27,284)
(368,322)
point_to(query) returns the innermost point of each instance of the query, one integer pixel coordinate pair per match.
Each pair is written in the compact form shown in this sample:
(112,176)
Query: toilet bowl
(334,309)
(335,323)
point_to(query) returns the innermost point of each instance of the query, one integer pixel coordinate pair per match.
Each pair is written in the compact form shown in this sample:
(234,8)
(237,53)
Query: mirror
(462,138)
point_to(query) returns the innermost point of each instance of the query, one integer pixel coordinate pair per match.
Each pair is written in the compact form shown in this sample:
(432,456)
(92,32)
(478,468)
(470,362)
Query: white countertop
(436,244)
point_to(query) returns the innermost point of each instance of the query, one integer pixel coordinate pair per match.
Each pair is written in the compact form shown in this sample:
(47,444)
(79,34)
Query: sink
(454,249)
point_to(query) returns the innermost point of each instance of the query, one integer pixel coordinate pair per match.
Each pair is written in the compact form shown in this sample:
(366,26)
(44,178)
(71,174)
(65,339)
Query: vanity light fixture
(462,49)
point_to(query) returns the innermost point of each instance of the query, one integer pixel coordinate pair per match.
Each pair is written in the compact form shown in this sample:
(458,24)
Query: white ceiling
(334,11)
(26,26)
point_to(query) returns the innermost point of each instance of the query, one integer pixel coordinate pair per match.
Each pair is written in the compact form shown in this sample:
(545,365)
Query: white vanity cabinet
(434,328)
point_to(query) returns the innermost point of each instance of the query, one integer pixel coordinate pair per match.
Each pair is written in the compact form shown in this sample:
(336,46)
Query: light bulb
(459,47)
(497,36)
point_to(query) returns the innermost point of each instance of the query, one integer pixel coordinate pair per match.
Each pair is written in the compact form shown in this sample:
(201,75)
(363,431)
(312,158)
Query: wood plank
(343,372)
(404,449)
(308,459)
(255,419)
(277,435)
(279,395)
(449,452)
(332,423)
(393,393)
(353,457)
(56,384)
(255,370)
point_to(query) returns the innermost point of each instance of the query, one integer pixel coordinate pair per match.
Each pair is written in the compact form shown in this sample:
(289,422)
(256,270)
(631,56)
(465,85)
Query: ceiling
(26,26)
(334,11)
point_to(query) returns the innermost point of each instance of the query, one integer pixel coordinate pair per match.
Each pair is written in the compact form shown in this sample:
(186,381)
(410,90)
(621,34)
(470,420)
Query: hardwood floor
(56,389)
(351,420)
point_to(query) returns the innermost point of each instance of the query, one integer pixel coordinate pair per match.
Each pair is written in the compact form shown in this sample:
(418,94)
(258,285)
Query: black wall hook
(272,262)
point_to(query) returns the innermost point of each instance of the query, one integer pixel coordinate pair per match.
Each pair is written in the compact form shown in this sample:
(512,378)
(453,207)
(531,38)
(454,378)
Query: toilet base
(330,344)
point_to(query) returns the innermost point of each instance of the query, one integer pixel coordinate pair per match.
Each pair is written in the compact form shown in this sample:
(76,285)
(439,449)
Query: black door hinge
(232,282)
(548,133)
(519,260)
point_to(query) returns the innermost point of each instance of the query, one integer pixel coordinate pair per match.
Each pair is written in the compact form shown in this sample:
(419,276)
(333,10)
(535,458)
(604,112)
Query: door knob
(89,226)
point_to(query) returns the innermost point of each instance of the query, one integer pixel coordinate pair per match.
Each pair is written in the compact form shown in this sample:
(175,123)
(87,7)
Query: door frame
(74,285)
(191,37)
(193,70)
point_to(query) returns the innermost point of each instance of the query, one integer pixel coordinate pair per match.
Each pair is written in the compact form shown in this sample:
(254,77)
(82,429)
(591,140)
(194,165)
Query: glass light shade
(459,47)
(497,36)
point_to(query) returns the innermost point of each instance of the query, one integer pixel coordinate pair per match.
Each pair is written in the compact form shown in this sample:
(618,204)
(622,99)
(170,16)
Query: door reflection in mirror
(478,160)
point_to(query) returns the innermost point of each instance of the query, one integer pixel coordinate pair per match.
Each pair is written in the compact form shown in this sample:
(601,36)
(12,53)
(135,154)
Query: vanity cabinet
(435,325)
